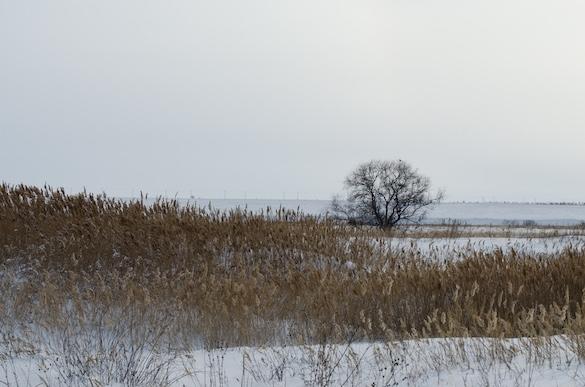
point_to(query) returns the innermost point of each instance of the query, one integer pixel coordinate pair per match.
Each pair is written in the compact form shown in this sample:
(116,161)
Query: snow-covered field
(93,358)
(553,361)
(444,248)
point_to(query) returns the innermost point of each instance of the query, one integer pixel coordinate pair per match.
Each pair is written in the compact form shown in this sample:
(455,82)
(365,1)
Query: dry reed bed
(190,277)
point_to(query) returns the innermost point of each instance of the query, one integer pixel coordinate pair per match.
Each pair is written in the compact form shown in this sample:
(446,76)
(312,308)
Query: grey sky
(261,97)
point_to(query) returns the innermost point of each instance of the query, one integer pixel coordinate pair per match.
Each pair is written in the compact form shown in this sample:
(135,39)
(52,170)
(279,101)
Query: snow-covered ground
(510,231)
(503,213)
(553,361)
(450,247)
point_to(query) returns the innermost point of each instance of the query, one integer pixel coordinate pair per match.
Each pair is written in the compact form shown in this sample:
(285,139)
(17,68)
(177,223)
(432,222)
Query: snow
(431,362)
(502,213)
(450,247)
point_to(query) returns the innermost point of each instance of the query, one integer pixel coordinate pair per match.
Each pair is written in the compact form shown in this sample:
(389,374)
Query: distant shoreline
(328,200)
(443,203)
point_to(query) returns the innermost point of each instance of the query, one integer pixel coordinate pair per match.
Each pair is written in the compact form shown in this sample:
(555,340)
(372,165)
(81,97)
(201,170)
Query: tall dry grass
(235,278)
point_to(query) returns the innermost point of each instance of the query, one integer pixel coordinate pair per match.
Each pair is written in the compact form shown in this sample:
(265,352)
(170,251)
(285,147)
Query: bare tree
(385,194)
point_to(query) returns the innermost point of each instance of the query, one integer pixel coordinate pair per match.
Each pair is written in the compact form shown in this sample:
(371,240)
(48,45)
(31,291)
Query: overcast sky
(267,97)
